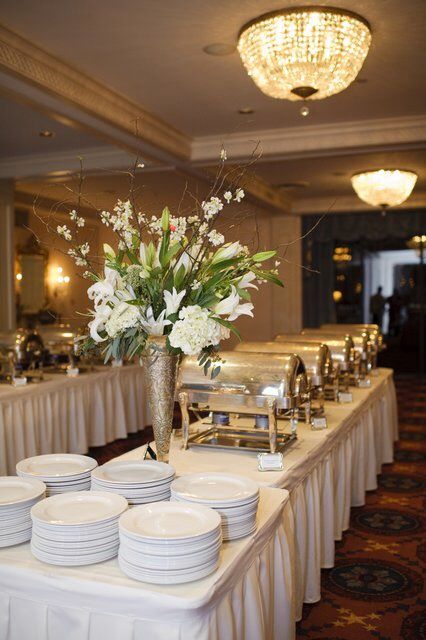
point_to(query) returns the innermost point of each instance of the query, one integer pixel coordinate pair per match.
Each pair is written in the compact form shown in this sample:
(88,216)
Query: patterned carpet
(376,589)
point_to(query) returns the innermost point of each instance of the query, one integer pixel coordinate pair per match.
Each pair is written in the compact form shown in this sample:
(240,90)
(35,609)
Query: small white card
(73,372)
(19,382)
(319,423)
(117,363)
(364,384)
(270,461)
(345,396)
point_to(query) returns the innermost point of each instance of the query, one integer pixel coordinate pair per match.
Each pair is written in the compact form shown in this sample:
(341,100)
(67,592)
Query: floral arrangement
(173,276)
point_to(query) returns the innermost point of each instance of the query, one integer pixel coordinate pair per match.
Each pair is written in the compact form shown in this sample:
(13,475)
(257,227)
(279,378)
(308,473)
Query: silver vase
(161,372)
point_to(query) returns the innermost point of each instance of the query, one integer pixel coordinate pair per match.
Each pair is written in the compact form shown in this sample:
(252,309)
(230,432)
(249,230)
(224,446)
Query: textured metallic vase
(161,372)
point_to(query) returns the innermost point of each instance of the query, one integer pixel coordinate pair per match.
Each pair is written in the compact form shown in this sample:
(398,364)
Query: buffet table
(326,472)
(64,414)
(249,597)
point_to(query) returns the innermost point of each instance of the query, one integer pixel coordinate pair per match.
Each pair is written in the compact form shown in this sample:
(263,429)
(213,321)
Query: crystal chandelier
(385,187)
(304,52)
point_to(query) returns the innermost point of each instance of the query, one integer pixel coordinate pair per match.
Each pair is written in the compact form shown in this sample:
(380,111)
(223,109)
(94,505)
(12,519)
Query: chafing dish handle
(272,415)
(183,403)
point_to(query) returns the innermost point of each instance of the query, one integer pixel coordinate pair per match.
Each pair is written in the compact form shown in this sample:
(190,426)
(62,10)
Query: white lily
(246,281)
(245,309)
(228,304)
(103,289)
(226,252)
(154,327)
(101,316)
(173,300)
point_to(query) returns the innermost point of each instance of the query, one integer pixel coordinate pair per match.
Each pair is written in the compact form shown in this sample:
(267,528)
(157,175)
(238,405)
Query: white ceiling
(20,125)
(151,51)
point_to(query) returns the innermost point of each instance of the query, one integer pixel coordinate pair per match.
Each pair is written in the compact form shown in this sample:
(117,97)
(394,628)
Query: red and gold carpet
(376,588)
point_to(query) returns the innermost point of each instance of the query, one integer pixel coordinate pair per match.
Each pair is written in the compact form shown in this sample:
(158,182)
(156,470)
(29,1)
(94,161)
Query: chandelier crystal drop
(384,187)
(304,52)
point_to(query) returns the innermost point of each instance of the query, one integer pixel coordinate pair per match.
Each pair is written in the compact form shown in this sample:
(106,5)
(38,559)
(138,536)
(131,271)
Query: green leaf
(215,372)
(207,367)
(271,277)
(179,276)
(223,265)
(263,255)
(170,254)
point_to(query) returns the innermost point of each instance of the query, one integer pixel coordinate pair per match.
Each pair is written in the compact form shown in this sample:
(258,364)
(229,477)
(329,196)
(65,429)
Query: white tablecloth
(258,591)
(326,472)
(248,598)
(70,414)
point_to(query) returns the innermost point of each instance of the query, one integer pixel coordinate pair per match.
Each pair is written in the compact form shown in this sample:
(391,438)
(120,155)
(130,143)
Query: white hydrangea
(123,316)
(195,330)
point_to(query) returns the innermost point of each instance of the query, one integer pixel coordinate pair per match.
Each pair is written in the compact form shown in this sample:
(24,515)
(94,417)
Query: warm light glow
(304,52)
(59,269)
(342,254)
(60,278)
(337,296)
(385,187)
(19,276)
(418,243)
(66,279)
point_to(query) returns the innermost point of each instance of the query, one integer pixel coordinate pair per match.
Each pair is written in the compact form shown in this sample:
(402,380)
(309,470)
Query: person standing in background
(377,307)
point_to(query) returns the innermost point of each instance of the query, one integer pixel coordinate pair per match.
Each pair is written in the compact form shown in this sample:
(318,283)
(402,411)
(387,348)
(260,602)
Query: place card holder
(364,384)
(319,423)
(19,382)
(345,397)
(270,461)
(149,451)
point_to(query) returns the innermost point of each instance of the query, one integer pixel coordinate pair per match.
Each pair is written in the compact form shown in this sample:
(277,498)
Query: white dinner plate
(131,472)
(77,560)
(215,488)
(79,508)
(165,578)
(170,521)
(56,465)
(15,491)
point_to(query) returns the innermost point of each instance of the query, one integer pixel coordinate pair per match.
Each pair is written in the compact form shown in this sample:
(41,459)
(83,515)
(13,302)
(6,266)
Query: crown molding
(26,61)
(350,204)
(317,140)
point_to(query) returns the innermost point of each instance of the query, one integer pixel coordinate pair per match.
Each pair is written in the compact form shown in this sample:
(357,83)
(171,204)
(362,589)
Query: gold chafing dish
(318,364)
(251,393)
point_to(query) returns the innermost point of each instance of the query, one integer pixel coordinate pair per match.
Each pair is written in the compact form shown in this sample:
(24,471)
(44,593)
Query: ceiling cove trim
(41,69)
(317,140)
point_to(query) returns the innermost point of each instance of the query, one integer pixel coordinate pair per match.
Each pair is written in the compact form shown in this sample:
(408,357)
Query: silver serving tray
(217,437)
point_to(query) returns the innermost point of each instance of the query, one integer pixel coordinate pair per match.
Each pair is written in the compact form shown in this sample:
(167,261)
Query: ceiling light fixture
(384,188)
(304,52)
(45,133)
(220,49)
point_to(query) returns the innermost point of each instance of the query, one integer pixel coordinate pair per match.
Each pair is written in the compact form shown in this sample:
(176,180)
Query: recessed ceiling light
(245,111)
(289,186)
(45,133)
(220,49)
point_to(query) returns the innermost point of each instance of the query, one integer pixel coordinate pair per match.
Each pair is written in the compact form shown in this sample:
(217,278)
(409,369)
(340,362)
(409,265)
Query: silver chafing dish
(245,401)
(363,348)
(345,358)
(22,354)
(318,364)
(374,333)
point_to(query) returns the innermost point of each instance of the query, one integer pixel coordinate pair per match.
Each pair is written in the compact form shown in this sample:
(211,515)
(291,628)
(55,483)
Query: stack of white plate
(169,543)
(61,472)
(139,482)
(235,498)
(77,528)
(17,496)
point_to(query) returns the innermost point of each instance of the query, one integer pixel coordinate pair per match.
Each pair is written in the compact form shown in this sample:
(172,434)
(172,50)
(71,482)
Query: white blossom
(193,219)
(228,196)
(84,248)
(195,285)
(231,307)
(229,250)
(215,238)
(211,207)
(100,317)
(103,290)
(76,218)
(64,232)
(239,195)
(195,330)
(223,155)
(79,260)
(246,281)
